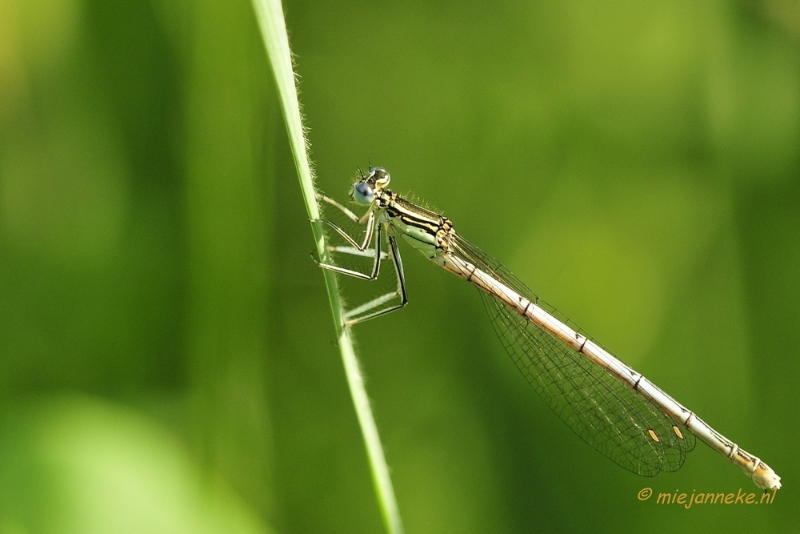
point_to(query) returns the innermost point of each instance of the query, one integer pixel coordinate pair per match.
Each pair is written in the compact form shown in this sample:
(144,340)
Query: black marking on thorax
(416,216)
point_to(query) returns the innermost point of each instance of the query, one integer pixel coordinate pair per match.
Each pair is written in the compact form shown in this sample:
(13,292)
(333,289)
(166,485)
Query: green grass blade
(273,30)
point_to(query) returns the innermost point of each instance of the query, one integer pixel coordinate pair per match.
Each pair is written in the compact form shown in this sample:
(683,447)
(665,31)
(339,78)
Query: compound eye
(380,176)
(363,194)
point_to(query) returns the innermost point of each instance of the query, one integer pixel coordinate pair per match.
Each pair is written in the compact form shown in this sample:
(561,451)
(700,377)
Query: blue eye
(363,194)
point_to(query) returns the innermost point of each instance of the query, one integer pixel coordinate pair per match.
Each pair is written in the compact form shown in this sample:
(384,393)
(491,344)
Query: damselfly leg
(374,235)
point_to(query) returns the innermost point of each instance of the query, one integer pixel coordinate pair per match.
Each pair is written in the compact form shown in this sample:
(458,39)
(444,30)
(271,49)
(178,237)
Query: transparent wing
(604,412)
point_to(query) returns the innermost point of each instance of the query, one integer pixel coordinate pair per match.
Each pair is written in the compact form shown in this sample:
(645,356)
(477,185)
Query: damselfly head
(379,176)
(367,187)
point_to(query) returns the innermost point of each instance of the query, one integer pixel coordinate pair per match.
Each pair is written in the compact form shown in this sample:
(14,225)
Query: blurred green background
(166,349)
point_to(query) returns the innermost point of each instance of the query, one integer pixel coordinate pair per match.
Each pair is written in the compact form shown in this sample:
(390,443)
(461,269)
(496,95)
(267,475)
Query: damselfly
(609,405)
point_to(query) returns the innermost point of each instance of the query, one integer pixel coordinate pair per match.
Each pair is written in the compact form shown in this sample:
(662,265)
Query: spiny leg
(353,251)
(352,316)
(350,215)
(370,221)
(373,229)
